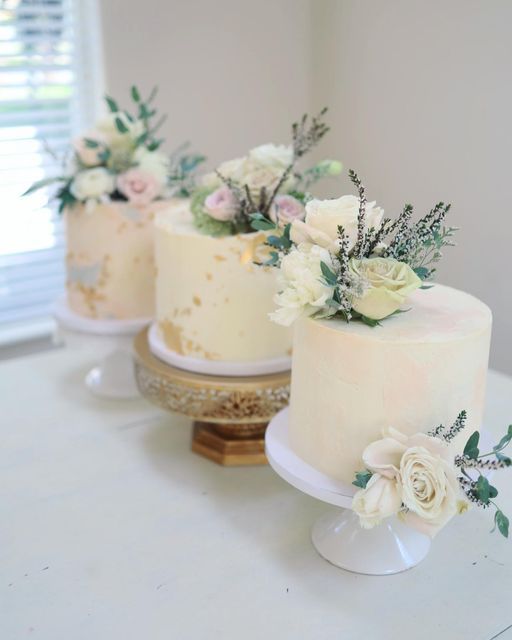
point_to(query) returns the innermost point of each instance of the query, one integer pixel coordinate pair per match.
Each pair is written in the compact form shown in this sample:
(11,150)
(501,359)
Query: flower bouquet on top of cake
(212,300)
(113,182)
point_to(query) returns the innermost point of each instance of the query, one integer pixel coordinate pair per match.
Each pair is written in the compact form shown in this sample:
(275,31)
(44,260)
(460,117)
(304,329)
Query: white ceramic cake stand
(228,368)
(112,340)
(389,548)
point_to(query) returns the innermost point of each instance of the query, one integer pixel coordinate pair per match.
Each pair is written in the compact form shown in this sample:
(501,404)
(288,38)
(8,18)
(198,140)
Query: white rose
(328,215)
(430,489)
(272,155)
(423,468)
(304,290)
(92,183)
(380,499)
(388,282)
(155,163)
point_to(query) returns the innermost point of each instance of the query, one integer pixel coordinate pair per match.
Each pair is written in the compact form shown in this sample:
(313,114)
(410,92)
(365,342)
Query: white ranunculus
(272,155)
(388,281)
(304,291)
(328,215)
(155,163)
(92,184)
(380,499)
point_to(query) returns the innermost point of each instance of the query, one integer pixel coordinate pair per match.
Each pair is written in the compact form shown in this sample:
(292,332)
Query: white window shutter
(50,83)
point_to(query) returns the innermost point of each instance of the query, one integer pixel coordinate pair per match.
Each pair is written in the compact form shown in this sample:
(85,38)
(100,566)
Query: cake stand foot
(114,376)
(389,548)
(230,445)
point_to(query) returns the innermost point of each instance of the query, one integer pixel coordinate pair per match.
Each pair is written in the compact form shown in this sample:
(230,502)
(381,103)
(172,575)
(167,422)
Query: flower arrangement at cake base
(212,299)
(110,191)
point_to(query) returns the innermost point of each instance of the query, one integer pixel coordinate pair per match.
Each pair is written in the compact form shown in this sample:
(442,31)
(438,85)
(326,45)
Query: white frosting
(212,301)
(110,267)
(417,370)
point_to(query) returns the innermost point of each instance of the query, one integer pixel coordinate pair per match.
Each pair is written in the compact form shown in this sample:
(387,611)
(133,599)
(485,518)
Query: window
(47,95)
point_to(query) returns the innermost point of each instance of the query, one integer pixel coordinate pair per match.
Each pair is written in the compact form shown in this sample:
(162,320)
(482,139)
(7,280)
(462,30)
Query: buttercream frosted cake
(117,181)
(376,345)
(350,381)
(212,301)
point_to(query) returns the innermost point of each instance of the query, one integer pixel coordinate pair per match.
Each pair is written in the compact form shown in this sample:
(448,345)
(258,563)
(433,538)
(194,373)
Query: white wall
(421,99)
(232,74)
(419,93)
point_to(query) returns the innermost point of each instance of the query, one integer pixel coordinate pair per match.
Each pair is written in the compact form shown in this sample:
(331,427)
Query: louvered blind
(44,101)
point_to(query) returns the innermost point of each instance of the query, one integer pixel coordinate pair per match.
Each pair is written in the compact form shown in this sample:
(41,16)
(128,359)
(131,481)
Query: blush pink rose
(287,209)
(221,204)
(88,156)
(139,187)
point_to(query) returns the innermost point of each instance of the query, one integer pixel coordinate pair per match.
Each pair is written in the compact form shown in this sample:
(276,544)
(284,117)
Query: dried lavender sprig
(399,242)
(343,254)
(436,433)
(471,463)
(457,426)
(304,137)
(361,216)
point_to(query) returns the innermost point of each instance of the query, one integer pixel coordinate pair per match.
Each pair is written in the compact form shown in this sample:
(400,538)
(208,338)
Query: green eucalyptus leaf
(112,104)
(42,183)
(262,224)
(482,489)
(471,449)
(328,273)
(135,94)
(120,125)
(493,492)
(501,521)
(91,144)
(422,272)
(362,478)
(505,440)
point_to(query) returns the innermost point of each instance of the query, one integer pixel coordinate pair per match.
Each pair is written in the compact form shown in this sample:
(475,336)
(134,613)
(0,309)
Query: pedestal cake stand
(113,376)
(230,412)
(389,548)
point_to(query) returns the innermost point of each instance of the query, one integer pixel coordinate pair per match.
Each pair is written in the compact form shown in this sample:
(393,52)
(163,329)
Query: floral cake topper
(424,481)
(266,183)
(348,260)
(120,160)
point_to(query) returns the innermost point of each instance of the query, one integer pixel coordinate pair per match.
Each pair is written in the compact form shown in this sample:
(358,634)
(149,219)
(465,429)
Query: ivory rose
(423,470)
(380,499)
(304,290)
(221,204)
(388,283)
(327,215)
(286,209)
(139,187)
(92,183)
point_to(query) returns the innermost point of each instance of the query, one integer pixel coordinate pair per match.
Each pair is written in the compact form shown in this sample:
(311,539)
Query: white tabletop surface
(111,529)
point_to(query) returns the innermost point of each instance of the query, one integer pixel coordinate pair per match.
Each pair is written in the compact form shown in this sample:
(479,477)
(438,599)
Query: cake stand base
(230,413)
(226,448)
(389,548)
(113,376)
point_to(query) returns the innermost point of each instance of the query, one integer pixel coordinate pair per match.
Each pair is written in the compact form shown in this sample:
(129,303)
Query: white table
(111,529)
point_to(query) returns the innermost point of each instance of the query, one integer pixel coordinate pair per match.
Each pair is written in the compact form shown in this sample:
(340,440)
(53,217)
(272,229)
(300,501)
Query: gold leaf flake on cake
(253,248)
(197,301)
(171,333)
(220,258)
(209,276)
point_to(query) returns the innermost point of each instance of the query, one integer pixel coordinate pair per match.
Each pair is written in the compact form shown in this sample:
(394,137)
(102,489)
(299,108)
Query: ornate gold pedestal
(231,414)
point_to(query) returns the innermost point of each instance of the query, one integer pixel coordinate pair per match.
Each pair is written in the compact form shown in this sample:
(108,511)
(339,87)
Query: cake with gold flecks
(118,180)
(213,300)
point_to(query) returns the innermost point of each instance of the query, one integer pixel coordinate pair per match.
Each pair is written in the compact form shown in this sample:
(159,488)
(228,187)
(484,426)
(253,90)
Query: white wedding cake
(212,302)
(416,371)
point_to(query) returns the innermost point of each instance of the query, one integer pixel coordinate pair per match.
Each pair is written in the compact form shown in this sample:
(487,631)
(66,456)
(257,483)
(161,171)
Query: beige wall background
(419,94)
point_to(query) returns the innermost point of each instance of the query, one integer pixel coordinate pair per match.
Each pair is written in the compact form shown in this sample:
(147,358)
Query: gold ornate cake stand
(230,413)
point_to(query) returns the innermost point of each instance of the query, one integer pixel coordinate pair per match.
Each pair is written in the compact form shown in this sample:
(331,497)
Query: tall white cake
(417,370)
(212,301)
